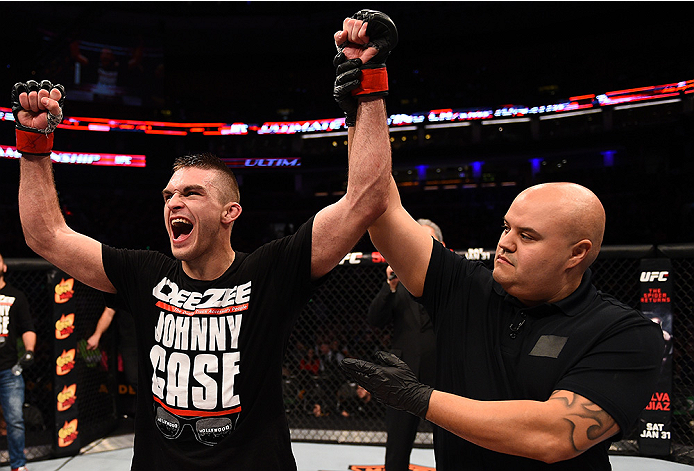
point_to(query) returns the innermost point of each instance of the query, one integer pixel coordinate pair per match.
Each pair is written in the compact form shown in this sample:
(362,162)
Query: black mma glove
(355,79)
(348,79)
(383,35)
(393,384)
(27,359)
(33,140)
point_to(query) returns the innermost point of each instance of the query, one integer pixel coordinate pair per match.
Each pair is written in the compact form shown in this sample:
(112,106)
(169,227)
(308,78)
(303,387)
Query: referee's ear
(580,253)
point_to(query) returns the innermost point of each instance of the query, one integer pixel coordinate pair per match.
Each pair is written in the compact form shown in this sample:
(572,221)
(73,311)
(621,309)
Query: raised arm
(403,243)
(338,227)
(37,110)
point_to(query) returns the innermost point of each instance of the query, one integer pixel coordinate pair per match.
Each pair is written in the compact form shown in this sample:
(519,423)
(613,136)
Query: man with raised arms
(212,323)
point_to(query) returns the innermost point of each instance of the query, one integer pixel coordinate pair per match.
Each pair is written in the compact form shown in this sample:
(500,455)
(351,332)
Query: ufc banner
(66,438)
(655,420)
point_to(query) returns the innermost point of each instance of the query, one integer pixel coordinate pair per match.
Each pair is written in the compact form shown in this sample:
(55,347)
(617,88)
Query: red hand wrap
(372,81)
(34,142)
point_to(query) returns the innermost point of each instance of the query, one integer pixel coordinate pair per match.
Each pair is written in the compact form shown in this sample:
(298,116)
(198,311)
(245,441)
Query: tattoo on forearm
(585,419)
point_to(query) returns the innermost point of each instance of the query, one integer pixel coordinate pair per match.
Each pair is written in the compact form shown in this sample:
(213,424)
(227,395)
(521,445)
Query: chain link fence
(322,405)
(95,376)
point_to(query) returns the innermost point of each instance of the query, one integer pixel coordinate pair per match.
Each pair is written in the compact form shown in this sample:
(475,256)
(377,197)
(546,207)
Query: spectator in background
(414,342)
(15,323)
(355,401)
(127,344)
(310,363)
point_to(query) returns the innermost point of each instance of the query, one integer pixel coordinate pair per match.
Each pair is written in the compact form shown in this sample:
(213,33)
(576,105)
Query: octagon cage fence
(321,404)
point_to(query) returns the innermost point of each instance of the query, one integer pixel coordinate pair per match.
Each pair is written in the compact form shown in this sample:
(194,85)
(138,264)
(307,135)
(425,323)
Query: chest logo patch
(549,346)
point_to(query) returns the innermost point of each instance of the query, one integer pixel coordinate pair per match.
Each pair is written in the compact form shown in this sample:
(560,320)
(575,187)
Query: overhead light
(651,103)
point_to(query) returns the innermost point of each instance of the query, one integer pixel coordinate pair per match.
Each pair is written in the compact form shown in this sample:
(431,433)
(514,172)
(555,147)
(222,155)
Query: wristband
(373,82)
(34,142)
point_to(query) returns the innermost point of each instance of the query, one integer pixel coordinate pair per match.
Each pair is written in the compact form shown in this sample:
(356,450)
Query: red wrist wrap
(34,142)
(372,81)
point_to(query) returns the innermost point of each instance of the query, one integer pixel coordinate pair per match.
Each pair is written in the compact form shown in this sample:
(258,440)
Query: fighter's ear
(231,213)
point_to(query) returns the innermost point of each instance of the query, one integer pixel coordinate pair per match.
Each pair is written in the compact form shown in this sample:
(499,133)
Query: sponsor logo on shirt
(196,357)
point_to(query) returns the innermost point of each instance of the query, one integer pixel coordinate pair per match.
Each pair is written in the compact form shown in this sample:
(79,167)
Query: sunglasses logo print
(207,430)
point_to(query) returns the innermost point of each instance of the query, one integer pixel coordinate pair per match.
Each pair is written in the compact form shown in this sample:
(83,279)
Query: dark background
(254,62)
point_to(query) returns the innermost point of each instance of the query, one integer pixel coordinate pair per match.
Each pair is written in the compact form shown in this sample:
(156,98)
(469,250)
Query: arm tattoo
(585,419)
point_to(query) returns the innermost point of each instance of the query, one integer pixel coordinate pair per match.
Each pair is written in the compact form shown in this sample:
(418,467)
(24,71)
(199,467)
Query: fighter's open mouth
(180,227)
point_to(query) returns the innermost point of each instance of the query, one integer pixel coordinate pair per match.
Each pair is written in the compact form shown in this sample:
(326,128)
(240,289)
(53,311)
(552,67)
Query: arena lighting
(262,162)
(450,115)
(294,127)
(590,102)
(403,128)
(644,93)
(329,134)
(651,103)
(447,125)
(506,121)
(569,114)
(147,127)
(84,158)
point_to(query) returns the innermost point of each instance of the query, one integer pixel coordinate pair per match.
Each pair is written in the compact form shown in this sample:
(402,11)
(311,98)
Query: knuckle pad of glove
(381,30)
(18,89)
(61,89)
(33,86)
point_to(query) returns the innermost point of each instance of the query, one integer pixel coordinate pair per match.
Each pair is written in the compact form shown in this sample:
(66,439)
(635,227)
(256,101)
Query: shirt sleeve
(449,277)
(124,269)
(620,373)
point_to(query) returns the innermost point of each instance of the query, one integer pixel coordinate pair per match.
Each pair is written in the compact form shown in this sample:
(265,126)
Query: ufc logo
(353,258)
(647,276)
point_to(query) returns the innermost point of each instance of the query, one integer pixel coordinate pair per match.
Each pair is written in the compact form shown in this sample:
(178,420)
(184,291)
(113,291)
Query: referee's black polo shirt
(492,347)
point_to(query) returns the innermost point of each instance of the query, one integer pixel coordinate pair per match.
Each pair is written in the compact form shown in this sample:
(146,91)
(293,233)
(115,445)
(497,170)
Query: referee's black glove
(393,383)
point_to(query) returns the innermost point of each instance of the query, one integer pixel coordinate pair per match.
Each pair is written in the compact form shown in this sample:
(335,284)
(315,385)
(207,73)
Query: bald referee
(536,369)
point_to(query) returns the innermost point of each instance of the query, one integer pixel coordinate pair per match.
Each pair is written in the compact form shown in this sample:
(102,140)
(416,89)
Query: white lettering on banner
(655,431)
(650,276)
(195,358)
(478,254)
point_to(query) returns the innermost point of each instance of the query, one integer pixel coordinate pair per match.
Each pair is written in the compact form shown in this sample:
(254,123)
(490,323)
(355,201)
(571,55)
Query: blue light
(608,157)
(477,169)
(422,172)
(535,165)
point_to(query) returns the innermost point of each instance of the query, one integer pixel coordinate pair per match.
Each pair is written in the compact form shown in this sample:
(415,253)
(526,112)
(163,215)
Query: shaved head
(574,208)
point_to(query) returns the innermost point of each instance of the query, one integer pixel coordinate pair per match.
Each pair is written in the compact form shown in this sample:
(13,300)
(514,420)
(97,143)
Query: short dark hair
(210,161)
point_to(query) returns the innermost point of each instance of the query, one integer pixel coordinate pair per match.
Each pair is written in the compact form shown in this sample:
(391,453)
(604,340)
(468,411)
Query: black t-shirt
(15,319)
(211,354)
(588,343)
